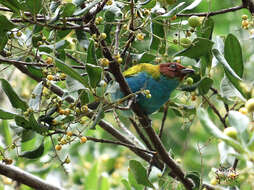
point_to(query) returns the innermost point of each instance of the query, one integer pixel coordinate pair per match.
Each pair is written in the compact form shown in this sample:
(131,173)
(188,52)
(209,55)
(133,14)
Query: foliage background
(105,166)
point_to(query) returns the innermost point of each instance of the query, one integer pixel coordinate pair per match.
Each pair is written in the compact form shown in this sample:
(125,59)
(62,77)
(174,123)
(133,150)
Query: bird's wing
(152,70)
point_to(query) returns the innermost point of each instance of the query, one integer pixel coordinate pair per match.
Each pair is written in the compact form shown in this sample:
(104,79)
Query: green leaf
(78,2)
(68,10)
(133,181)
(194,4)
(15,100)
(213,130)
(146,58)
(82,38)
(232,76)
(14,5)
(126,184)
(86,9)
(148,4)
(6,115)
(33,6)
(206,29)
(35,71)
(94,74)
(199,47)
(33,154)
(3,40)
(91,56)
(204,85)
(35,101)
(225,64)
(22,122)
(171,12)
(157,30)
(238,120)
(109,18)
(6,133)
(91,181)
(233,54)
(140,173)
(5,24)
(228,90)
(27,135)
(71,72)
(104,185)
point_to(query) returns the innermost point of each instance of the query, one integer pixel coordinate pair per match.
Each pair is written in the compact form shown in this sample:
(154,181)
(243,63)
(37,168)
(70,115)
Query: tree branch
(222,11)
(26,178)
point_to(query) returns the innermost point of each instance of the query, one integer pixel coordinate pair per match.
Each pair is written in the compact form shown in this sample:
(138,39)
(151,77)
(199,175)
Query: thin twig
(163,120)
(222,11)
(216,112)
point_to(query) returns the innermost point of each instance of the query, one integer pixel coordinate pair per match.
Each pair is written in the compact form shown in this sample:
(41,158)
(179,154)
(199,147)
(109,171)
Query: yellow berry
(245,23)
(173,17)
(58,147)
(49,60)
(62,76)
(54,122)
(249,105)
(104,62)
(214,181)
(230,132)
(19,34)
(148,96)
(84,108)
(146,12)
(189,81)
(94,36)
(83,140)
(61,111)
(67,112)
(146,92)
(103,36)
(110,2)
(244,17)
(50,77)
(140,36)
(243,110)
(99,18)
(69,133)
(119,60)
(67,160)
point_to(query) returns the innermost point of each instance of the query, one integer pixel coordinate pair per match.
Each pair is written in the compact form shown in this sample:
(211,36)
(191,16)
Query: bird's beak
(187,71)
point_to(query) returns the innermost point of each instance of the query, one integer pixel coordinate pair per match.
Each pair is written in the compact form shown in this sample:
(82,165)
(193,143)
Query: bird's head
(174,70)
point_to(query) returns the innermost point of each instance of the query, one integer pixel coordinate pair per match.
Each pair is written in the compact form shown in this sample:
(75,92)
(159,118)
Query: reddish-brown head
(174,70)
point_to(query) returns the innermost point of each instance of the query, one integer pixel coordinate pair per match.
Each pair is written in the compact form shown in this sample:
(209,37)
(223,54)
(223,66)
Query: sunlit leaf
(33,154)
(94,74)
(199,47)
(6,132)
(15,100)
(6,115)
(139,173)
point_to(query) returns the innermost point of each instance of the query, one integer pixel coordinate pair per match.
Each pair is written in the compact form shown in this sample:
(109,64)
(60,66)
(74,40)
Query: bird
(159,80)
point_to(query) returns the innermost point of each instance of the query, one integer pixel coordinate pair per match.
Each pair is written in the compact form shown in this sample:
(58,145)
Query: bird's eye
(172,66)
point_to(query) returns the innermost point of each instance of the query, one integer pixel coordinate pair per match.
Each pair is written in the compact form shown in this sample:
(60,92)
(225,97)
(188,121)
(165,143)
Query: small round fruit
(193,97)
(185,42)
(69,133)
(245,23)
(104,62)
(119,60)
(173,17)
(50,77)
(103,36)
(194,21)
(67,160)
(249,105)
(140,36)
(244,17)
(230,132)
(62,76)
(49,60)
(243,110)
(67,112)
(84,108)
(61,111)
(19,34)
(110,2)
(58,147)
(83,140)
(189,81)
(214,181)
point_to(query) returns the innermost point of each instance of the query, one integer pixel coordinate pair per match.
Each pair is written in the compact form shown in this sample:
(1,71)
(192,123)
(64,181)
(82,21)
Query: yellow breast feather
(152,70)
